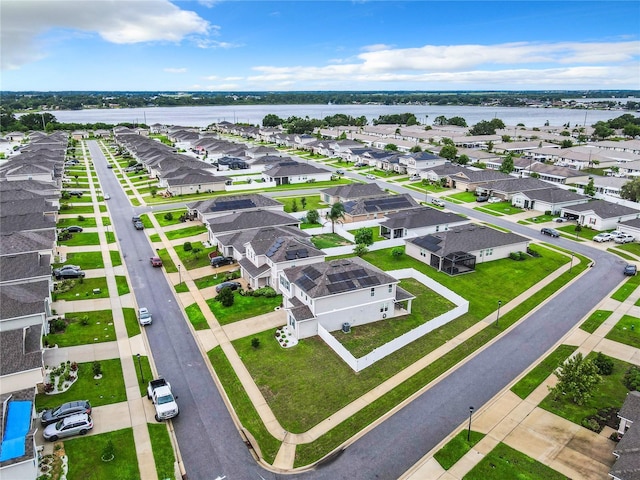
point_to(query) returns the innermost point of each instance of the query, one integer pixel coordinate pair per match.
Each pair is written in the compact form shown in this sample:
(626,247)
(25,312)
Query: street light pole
(498,315)
(469,429)
(179,275)
(140,367)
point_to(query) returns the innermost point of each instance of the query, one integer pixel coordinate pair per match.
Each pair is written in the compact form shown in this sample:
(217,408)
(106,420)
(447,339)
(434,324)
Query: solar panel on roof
(358,273)
(303,253)
(368,281)
(334,277)
(311,272)
(290,255)
(305,283)
(340,287)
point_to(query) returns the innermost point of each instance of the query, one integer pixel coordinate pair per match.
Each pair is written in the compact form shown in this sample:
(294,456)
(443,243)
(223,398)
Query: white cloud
(25,23)
(376,48)
(175,70)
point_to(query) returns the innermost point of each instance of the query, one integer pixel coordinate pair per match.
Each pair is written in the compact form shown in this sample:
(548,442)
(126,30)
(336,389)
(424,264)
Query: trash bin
(346,327)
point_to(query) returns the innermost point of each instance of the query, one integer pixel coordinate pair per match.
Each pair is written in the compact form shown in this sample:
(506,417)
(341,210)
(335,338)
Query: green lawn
(632,247)
(154,238)
(626,289)
(162,450)
(626,331)
(85,457)
(82,289)
(116,260)
(88,222)
(527,384)
(426,306)
(144,218)
(86,260)
(243,405)
(181,287)
(131,322)
(313,202)
(464,197)
(196,317)
(123,286)
(457,447)
(502,208)
(328,240)
(186,232)
(99,328)
(110,236)
(81,239)
(596,319)
(75,209)
(376,233)
(167,262)
(104,391)
(174,221)
(142,362)
(243,307)
(191,261)
(106,221)
(608,394)
(210,280)
(503,462)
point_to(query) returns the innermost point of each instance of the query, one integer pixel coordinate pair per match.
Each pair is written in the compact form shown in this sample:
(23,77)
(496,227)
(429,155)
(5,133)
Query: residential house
(330,294)
(247,220)
(286,173)
(459,249)
(627,464)
(207,210)
(415,162)
(351,191)
(268,253)
(507,186)
(377,207)
(600,214)
(18,451)
(468,179)
(419,221)
(552,199)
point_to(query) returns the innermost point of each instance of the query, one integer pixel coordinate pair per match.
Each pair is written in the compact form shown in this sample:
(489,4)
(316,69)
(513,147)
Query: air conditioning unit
(346,327)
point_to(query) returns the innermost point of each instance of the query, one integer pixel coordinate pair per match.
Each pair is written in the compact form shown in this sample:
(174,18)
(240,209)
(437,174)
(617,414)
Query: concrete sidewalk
(560,444)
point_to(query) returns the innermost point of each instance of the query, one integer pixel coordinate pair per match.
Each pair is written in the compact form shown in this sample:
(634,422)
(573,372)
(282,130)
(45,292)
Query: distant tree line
(22,101)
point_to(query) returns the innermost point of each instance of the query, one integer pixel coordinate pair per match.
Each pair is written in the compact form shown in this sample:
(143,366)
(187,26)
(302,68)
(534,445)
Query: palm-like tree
(335,215)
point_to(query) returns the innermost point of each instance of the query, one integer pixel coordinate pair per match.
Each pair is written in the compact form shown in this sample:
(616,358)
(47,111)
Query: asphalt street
(208,439)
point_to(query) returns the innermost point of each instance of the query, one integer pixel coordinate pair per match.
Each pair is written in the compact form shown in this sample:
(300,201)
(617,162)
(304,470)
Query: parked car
(72,229)
(65,268)
(107,196)
(52,415)
(75,193)
(70,273)
(144,316)
(415,178)
(494,200)
(603,237)
(136,218)
(368,176)
(138,225)
(437,201)
(340,172)
(482,198)
(220,261)
(156,262)
(68,426)
(552,232)
(359,164)
(109,165)
(231,285)
(560,220)
(630,270)
(624,238)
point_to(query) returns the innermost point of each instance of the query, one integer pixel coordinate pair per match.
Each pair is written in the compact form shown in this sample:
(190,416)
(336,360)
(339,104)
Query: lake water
(253,114)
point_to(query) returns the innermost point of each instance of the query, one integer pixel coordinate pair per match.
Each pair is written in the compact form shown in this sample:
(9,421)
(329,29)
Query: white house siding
(26,469)
(484,255)
(20,380)
(592,220)
(189,189)
(23,322)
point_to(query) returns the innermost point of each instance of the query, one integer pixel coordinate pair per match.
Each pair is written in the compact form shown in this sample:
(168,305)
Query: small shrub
(226,297)
(57,326)
(84,320)
(97,369)
(73,366)
(81,218)
(604,364)
(592,424)
(632,378)
(48,387)
(267,292)
(168,216)
(397,252)
(255,342)
(187,246)
(108,452)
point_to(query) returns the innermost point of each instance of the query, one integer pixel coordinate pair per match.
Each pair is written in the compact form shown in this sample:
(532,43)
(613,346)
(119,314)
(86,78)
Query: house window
(437,228)
(423,253)
(373,292)
(488,252)
(284,283)
(292,322)
(384,308)
(390,288)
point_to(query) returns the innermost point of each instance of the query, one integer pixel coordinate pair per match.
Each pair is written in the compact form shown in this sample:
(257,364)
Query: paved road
(208,440)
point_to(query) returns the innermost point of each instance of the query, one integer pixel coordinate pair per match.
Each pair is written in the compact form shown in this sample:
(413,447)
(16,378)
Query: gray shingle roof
(514,184)
(19,223)
(238,240)
(553,195)
(475,176)
(284,249)
(287,169)
(421,217)
(20,349)
(631,407)
(337,276)
(354,191)
(232,203)
(603,209)
(249,220)
(466,238)
(23,299)
(388,203)
(252,270)
(24,266)
(22,242)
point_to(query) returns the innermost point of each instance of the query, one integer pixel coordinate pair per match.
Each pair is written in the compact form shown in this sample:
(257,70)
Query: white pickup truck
(159,392)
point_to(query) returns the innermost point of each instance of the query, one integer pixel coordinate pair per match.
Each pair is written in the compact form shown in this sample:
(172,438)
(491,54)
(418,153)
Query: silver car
(74,425)
(144,316)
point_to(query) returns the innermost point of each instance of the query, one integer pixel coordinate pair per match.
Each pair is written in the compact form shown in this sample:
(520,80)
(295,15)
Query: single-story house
(246,220)
(205,210)
(377,207)
(551,199)
(600,214)
(351,191)
(458,249)
(286,173)
(419,221)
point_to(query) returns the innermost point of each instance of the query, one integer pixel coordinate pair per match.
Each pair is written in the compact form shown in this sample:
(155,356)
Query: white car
(107,196)
(144,316)
(494,200)
(370,177)
(437,202)
(603,237)
(624,238)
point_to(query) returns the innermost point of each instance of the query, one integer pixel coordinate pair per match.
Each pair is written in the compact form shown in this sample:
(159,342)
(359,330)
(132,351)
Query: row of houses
(30,186)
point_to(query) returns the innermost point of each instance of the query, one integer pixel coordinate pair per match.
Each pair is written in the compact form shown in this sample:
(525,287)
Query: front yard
(82,328)
(243,307)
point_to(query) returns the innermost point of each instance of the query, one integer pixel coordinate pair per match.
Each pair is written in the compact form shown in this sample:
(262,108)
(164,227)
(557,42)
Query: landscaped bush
(57,325)
(632,378)
(518,256)
(168,216)
(267,292)
(604,364)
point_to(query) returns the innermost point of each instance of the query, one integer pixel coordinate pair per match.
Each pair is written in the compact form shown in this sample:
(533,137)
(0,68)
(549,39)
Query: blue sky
(212,45)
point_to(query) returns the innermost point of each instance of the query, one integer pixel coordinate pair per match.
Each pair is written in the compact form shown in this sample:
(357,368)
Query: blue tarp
(17,426)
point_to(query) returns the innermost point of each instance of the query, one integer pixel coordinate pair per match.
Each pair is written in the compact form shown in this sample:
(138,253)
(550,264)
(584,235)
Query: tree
(463,159)
(484,127)
(294,205)
(335,214)
(255,343)
(449,152)
(590,188)
(397,252)
(507,164)
(226,297)
(391,147)
(187,247)
(271,120)
(364,236)
(360,249)
(440,120)
(457,121)
(577,378)
(602,130)
(631,190)
(631,130)
(416,149)
(303,202)
(566,143)
(313,216)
